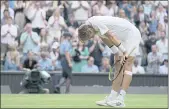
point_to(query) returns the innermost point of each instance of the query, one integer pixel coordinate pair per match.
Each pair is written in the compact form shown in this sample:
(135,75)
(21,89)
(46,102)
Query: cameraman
(33,81)
(79,53)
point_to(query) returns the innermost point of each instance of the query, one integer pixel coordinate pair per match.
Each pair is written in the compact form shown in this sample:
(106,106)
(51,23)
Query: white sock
(122,94)
(113,93)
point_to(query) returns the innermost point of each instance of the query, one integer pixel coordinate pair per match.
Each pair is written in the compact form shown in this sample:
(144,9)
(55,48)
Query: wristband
(114,49)
(121,48)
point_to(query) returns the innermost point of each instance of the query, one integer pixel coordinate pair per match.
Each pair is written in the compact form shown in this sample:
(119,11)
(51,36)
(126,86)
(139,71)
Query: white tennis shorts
(133,41)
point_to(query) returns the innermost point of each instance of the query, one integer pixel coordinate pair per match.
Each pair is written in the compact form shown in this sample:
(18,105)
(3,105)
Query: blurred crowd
(33,31)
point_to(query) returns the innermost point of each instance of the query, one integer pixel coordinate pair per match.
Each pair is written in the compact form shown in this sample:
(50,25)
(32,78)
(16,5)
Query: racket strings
(111,79)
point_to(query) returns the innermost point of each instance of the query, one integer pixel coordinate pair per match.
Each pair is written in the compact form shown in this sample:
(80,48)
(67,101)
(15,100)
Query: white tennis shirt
(125,31)
(120,27)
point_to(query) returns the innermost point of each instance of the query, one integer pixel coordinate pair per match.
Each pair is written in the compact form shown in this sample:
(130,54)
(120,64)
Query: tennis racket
(111,76)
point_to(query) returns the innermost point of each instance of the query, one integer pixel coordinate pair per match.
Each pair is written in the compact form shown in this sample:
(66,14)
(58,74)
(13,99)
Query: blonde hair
(14,56)
(13,46)
(85,32)
(105,59)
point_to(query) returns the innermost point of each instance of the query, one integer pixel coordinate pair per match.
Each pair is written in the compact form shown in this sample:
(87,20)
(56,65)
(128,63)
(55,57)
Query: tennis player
(121,37)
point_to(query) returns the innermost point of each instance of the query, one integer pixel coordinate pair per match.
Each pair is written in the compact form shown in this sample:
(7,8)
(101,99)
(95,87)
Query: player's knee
(128,73)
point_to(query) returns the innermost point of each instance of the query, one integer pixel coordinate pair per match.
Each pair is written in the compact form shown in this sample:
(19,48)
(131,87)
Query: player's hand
(124,58)
(70,65)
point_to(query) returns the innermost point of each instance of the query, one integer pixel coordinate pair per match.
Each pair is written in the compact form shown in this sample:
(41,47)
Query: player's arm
(115,44)
(113,40)
(109,38)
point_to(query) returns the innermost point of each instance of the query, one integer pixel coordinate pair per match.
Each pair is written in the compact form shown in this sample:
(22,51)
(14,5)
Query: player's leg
(129,63)
(134,43)
(119,101)
(116,84)
(127,76)
(127,73)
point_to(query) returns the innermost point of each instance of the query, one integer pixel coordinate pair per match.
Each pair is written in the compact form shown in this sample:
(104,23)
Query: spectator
(137,69)
(100,9)
(127,7)
(147,8)
(6,7)
(37,15)
(46,5)
(49,9)
(159,30)
(96,47)
(55,5)
(162,45)
(164,68)
(65,10)
(29,40)
(72,22)
(81,10)
(161,13)
(72,26)
(19,15)
(80,55)
(105,65)
(8,35)
(55,24)
(110,11)
(44,40)
(107,52)
(5,17)
(54,55)
(115,8)
(154,60)
(9,32)
(133,13)
(90,67)
(45,63)
(140,16)
(28,8)
(163,3)
(151,41)
(122,14)
(149,16)
(12,60)
(143,30)
(30,62)
(153,22)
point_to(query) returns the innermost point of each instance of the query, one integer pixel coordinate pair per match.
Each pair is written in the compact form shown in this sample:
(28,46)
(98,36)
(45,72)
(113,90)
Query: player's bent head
(85,32)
